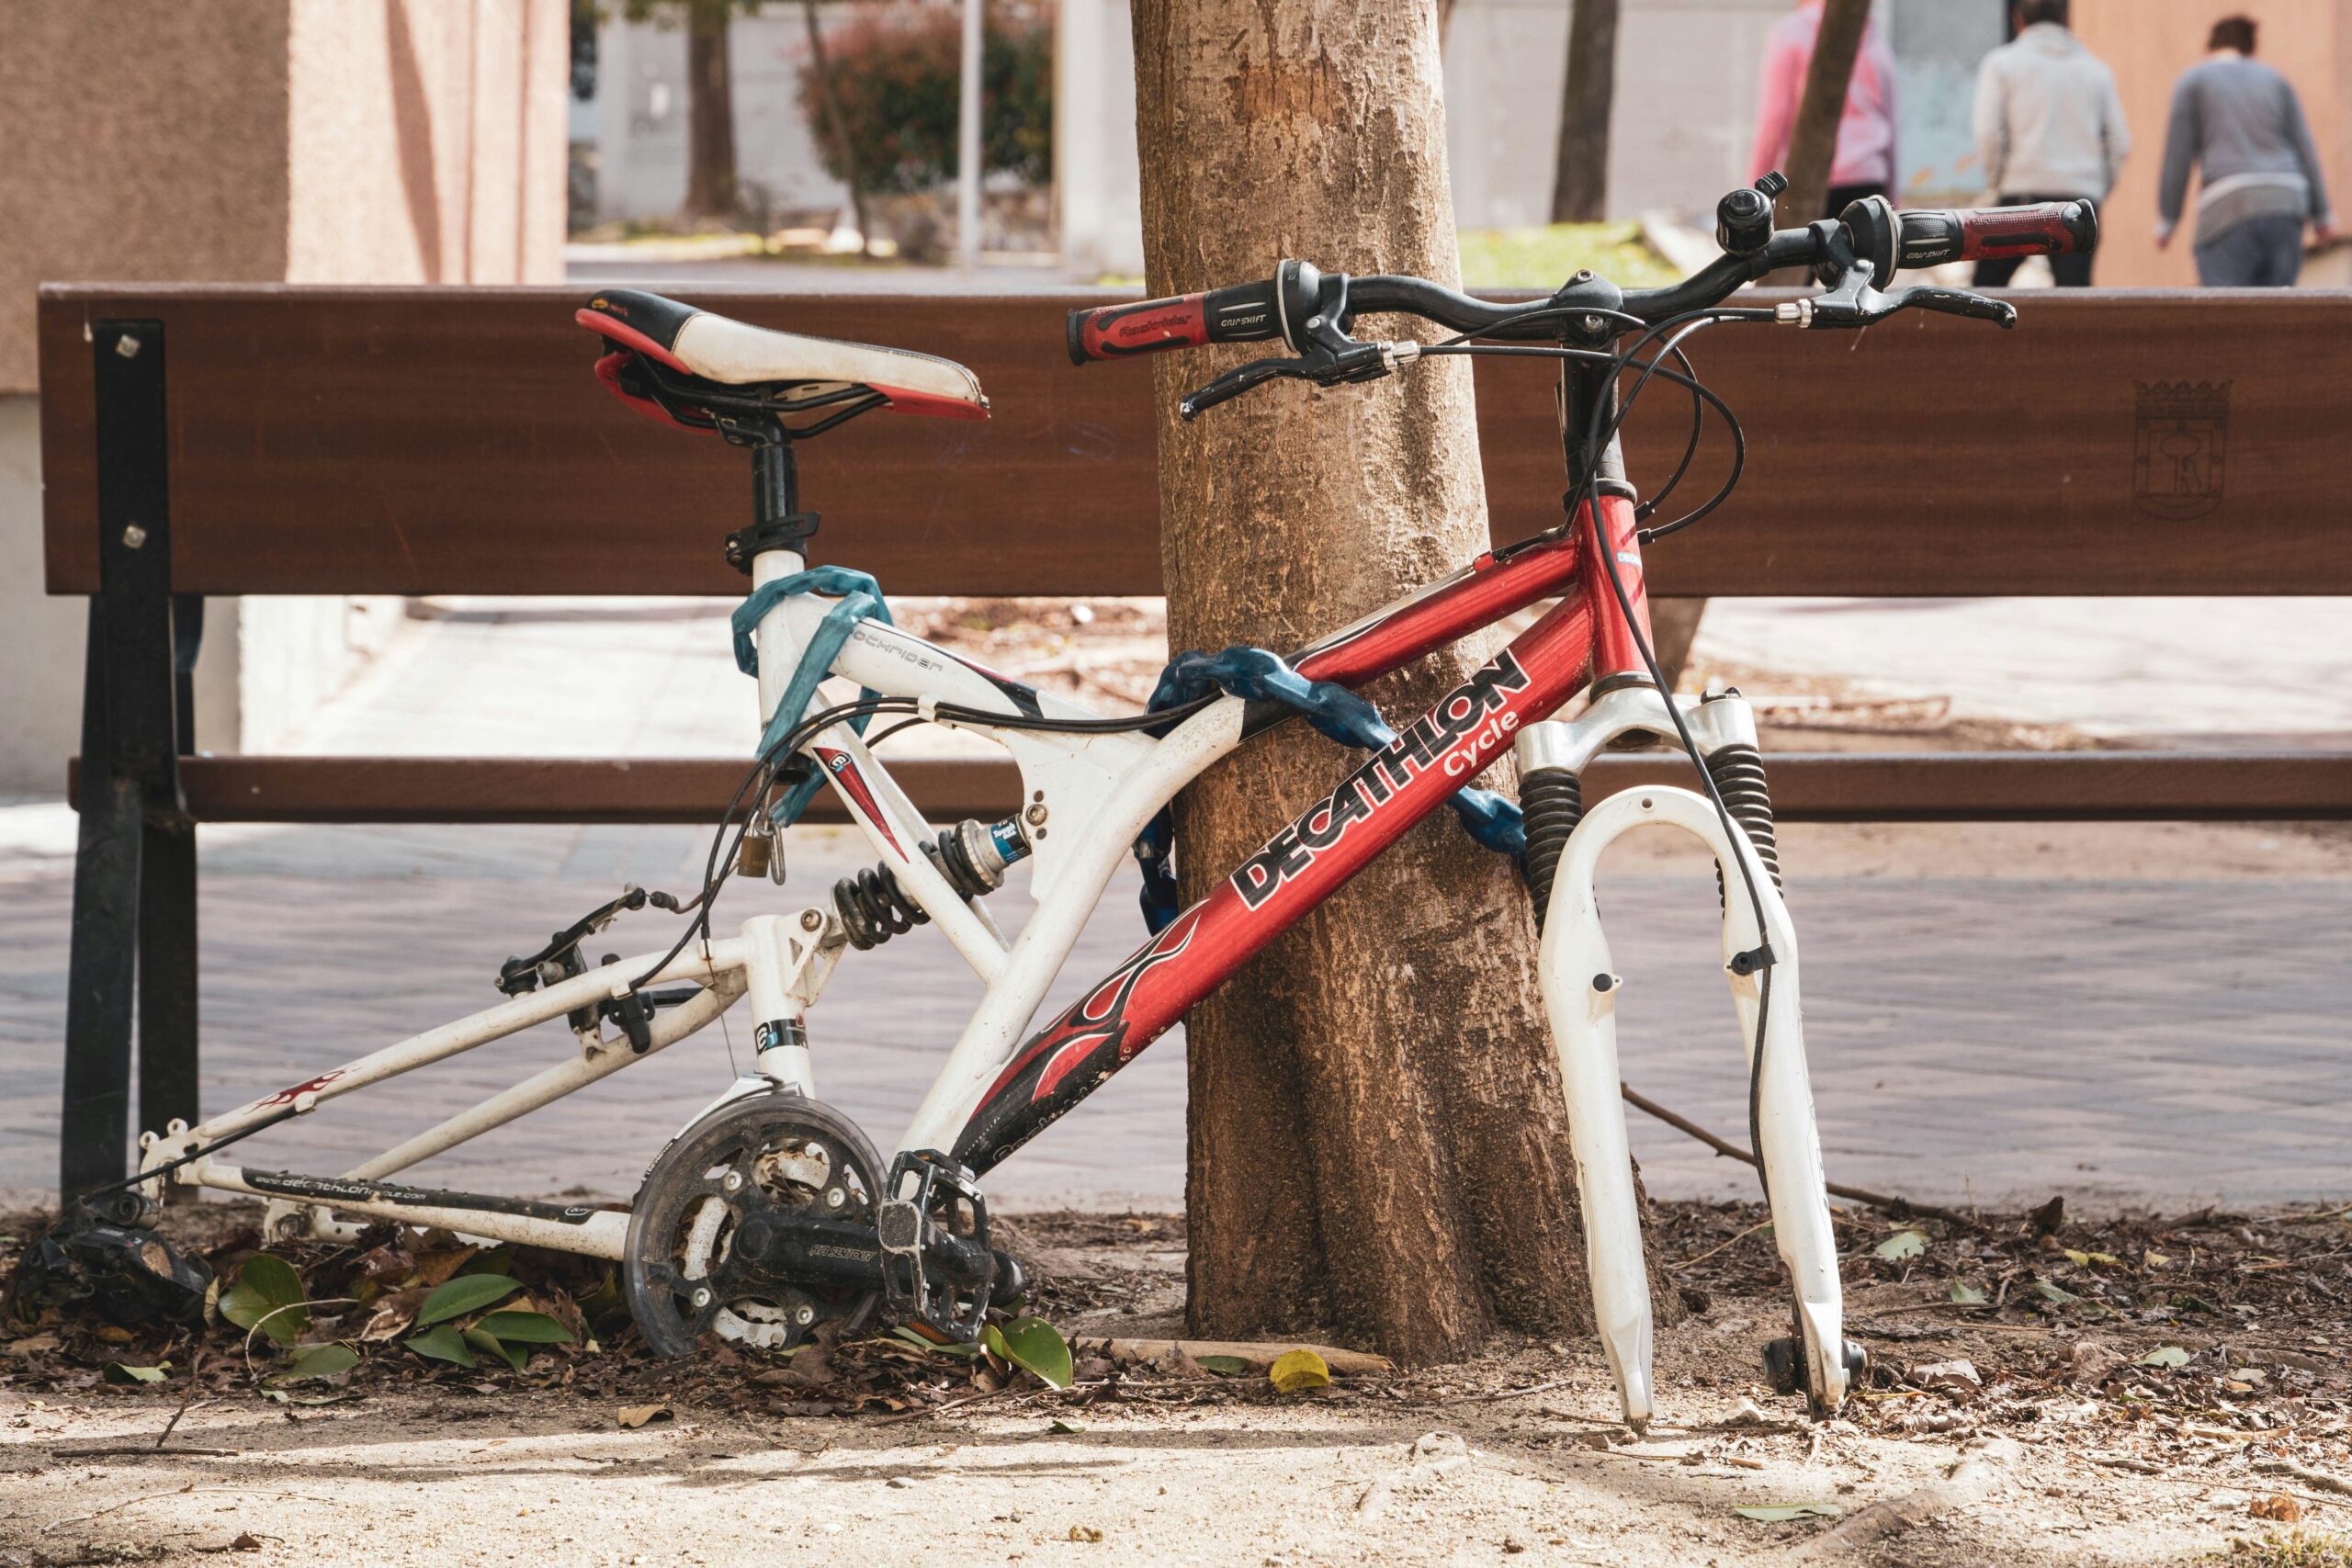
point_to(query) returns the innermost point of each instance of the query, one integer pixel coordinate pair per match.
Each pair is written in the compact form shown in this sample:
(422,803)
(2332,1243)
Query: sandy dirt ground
(2003,1433)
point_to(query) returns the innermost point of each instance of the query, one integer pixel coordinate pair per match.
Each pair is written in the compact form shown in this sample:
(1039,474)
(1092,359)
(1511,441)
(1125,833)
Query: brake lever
(1855,304)
(1953,302)
(1358,362)
(1238,380)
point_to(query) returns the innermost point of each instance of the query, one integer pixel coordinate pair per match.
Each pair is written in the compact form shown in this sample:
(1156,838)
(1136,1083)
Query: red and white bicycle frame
(1086,798)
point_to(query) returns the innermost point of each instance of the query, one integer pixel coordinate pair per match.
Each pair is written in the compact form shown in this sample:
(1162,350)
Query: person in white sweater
(2049,128)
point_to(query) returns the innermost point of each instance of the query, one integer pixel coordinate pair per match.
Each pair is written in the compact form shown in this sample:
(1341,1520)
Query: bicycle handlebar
(1312,313)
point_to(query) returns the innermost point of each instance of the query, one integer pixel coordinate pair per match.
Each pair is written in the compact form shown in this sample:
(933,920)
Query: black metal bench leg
(93,1136)
(135,835)
(167,1012)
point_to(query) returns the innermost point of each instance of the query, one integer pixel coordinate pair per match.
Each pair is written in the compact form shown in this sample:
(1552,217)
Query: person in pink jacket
(1865,164)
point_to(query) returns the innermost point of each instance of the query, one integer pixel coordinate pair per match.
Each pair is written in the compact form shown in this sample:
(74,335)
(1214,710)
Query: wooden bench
(236,440)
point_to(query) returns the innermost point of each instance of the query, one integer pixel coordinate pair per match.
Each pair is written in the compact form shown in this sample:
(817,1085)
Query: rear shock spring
(972,857)
(1738,773)
(1550,800)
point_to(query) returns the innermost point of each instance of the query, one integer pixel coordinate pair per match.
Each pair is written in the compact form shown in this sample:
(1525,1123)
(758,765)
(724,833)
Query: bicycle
(771,1214)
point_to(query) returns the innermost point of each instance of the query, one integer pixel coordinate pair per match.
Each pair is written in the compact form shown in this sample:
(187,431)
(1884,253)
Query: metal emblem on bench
(2177,467)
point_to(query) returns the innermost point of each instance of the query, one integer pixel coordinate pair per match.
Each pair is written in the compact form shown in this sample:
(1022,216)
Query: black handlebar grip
(1244,313)
(2048,229)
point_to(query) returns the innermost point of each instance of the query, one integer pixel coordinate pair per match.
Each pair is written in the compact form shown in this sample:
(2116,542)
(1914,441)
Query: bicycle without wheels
(771,1214)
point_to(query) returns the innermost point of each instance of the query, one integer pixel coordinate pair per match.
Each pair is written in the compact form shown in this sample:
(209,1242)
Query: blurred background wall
(251,140)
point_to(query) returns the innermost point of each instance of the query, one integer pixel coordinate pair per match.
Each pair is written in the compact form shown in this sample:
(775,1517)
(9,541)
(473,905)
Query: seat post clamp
(787,533)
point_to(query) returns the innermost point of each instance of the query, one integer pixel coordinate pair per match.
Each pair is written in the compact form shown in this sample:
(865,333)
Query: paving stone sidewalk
(2159,1043)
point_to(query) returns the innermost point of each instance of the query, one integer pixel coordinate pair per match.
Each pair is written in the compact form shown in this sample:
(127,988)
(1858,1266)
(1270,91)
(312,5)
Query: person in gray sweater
(2049,128)
(2240,124)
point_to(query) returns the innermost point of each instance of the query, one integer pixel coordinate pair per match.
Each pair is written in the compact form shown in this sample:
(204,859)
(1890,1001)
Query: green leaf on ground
(441,1343)
(1901,1244)
(2185,1302)
(1780,1513)
(1037,1345)
(319,1361)
(524,1328)
(488,1344)
(961,1352)
(465,1294)
(1224,1366)
(2164,1356)
(1965,1295)
(2049,1293)
(266,1283)
(116,1371)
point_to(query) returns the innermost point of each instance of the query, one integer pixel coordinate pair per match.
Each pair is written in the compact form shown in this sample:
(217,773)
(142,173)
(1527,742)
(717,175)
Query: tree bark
(1813,143)
(710,111)
(1377,1139)
(853,173)
(1580,176)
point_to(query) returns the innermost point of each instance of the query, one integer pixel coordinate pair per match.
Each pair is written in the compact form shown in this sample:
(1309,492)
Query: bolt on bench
(208,440)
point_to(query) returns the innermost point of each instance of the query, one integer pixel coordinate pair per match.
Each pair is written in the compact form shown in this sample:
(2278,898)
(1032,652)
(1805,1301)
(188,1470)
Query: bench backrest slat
(453,441)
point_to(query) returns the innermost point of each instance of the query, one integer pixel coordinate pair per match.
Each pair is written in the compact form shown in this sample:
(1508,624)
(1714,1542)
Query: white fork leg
(1579,994)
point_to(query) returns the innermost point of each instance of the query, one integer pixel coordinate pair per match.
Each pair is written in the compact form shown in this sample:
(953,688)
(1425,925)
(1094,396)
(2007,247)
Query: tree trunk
(1377,1140)
(710,112)
(1813,143)
(853,172)
(1580,176)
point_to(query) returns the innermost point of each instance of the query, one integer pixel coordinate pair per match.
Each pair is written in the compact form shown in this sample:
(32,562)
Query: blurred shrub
(896,71)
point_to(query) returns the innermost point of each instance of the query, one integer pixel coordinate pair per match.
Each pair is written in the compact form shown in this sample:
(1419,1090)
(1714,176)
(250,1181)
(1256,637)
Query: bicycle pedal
(937,1281)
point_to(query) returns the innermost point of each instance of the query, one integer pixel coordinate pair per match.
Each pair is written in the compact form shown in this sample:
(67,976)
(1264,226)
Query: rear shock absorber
(1738,773)
(1551,801)
(972,855)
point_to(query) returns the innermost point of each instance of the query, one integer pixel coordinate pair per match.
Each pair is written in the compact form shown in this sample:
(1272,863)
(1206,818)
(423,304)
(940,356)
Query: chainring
(748,1162)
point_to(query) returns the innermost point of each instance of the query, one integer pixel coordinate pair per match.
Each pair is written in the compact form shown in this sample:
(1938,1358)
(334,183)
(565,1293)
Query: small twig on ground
(194,1367)
(1536,1388)
(290,1307)
(1733,1151)
(2306,1474)
(139,1451)
(1687,1262)
(126,1502)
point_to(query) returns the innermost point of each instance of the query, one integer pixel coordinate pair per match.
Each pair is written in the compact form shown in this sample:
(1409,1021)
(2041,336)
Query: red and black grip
(2048,229)
(1244,313)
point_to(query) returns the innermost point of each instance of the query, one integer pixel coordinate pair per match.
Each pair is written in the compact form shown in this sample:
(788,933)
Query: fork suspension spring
(1552,801)
(1738,773)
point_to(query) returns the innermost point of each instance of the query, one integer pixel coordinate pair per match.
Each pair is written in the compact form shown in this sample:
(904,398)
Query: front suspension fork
(1580,990)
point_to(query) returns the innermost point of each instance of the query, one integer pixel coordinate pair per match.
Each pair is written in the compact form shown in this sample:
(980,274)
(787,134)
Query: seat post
(777,522)
(775,483)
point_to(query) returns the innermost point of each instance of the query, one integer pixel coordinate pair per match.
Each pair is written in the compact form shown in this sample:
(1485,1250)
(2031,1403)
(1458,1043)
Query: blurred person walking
(1865,164)
(2240,124)
(2049,128)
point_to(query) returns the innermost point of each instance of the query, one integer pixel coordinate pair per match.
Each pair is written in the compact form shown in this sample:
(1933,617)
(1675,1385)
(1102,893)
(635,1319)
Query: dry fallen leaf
(635,1415)
(1294,1372)
(2278,1508)
(1084,1532)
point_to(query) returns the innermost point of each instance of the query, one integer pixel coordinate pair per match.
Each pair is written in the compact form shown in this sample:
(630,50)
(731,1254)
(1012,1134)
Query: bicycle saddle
(733,361)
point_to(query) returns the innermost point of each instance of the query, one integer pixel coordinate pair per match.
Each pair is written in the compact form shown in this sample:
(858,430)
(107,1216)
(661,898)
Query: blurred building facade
(257,141)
